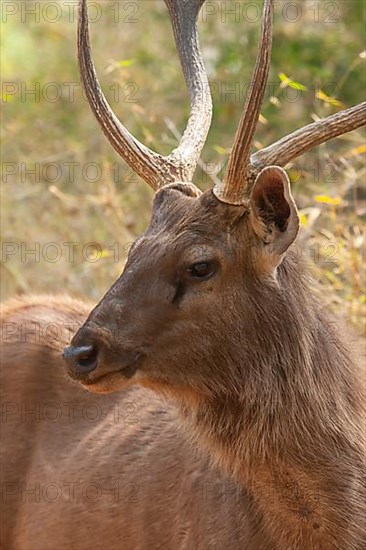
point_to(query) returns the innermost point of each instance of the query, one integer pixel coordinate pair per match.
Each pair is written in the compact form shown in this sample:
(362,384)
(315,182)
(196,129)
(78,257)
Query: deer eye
(201,270)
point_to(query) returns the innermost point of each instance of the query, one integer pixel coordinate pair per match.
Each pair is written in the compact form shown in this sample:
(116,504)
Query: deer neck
(291,435)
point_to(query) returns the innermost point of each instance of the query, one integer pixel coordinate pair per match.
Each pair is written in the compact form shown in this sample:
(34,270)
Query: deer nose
(81,359)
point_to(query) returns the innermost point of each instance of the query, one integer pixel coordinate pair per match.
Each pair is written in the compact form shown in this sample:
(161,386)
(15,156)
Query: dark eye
(201,270)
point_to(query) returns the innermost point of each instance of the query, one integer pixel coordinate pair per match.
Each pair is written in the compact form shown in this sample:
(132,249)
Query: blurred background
(71,206)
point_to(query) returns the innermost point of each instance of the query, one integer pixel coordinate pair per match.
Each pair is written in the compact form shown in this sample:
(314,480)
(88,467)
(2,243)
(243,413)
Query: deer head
(214,277)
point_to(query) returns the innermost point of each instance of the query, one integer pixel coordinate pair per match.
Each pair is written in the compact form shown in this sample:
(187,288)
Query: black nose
(81,359)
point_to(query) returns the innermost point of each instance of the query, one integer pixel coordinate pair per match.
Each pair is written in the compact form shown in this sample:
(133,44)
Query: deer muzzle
(91,359)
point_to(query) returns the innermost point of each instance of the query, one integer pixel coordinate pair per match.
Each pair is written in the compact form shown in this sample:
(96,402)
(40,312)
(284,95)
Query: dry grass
(53,207)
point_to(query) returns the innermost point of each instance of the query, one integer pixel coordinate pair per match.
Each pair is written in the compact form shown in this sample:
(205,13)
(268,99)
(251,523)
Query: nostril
(83,358)
(88,359)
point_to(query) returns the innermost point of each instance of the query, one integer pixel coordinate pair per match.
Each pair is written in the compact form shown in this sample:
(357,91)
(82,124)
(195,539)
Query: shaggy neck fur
(287,425)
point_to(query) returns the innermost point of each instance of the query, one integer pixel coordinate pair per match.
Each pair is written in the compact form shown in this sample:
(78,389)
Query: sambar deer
(259,444)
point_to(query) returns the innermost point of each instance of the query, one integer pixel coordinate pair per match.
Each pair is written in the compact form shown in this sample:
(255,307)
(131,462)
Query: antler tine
(232,190)
(154,168)
(292,146)
(183,14)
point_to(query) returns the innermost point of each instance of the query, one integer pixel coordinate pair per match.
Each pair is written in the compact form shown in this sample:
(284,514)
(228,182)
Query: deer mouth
(113,380)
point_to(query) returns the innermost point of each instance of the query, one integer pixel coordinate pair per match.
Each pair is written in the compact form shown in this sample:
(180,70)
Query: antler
(154,168)
(235,181)
(292,146)
(242,167)
(180,164)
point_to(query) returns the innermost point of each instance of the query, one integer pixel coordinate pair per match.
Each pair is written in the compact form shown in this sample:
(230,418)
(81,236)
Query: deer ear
(274,214)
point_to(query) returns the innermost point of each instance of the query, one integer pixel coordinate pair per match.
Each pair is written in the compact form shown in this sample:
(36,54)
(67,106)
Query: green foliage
(321,62)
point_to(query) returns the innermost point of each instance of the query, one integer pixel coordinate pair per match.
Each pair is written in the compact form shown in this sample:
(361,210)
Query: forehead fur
(203,215)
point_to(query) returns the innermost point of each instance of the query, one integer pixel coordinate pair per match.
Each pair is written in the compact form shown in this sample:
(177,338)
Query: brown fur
(263,384)
(157,491)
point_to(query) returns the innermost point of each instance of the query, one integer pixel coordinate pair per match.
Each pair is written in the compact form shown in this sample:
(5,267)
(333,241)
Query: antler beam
(154,168)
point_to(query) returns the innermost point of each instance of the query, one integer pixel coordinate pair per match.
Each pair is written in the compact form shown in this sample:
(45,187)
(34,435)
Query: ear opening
(273,208)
